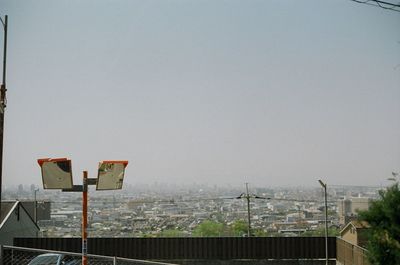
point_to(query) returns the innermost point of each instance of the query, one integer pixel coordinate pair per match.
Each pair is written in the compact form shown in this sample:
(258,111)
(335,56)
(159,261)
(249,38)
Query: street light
(3,100)
(57,174)
(395,175)
(326,220)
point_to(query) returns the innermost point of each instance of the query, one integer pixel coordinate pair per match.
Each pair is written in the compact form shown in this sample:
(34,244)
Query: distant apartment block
(348,208)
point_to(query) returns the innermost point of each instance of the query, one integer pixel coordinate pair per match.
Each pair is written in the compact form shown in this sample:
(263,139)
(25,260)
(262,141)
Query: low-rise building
(15,221)
(355,232)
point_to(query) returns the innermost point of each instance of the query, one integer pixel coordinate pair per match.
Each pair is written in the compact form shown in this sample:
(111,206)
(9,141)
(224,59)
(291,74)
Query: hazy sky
(221,92)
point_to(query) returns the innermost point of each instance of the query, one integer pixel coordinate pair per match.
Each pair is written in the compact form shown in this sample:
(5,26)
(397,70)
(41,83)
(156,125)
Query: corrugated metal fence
(193,248)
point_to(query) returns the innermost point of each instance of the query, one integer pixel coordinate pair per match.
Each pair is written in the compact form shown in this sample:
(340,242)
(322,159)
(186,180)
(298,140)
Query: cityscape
(162,210)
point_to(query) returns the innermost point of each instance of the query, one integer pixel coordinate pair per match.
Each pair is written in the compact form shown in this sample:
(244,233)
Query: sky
(218,92)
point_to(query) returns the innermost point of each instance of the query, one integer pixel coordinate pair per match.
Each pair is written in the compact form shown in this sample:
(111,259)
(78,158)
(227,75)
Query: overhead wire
(151,201)
(381,4)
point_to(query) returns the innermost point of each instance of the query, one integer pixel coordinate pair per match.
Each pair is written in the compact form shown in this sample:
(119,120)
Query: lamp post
(3,100)
(57,174)
(326,219)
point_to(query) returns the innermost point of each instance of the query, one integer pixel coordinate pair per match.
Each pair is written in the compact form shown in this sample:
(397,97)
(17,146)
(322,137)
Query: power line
(189,200)
(381,4)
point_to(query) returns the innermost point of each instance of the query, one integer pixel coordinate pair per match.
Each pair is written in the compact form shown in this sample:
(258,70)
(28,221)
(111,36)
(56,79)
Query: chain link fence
(28,256)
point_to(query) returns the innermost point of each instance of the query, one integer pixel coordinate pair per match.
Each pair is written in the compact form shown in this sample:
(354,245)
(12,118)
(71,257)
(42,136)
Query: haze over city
(218,92)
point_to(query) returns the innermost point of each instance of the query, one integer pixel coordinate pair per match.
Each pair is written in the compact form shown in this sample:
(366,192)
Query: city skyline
(221,92)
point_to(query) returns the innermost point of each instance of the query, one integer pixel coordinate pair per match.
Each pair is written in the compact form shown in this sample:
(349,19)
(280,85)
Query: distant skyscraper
(20,188)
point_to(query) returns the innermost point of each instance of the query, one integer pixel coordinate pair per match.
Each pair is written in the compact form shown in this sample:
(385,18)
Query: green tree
(259,232)
(209,229)
(384,234)
(239,228)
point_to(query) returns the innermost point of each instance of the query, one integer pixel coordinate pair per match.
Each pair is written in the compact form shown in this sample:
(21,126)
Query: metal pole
(3,102)
(248,211)
(326,220)
(326,225)
(84,217)
(1,254)
(5,25)
(35,207)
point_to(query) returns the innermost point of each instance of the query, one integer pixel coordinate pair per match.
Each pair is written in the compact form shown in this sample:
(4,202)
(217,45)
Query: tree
(239,228)
(384,234)
(259,232)
(209,229)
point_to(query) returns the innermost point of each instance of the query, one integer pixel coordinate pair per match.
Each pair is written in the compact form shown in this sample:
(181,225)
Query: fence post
(1,254)
(114,261)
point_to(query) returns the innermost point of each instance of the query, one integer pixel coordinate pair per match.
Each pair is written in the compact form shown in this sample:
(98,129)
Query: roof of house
(6,209)
(355,224)
(360,224)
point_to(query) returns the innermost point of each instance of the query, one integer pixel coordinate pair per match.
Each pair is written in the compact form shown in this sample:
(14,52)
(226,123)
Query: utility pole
(3,101)
(248,196)
(248,210)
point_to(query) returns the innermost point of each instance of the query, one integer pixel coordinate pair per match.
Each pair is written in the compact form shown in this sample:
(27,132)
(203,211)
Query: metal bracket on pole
(75,188)
(92,181)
